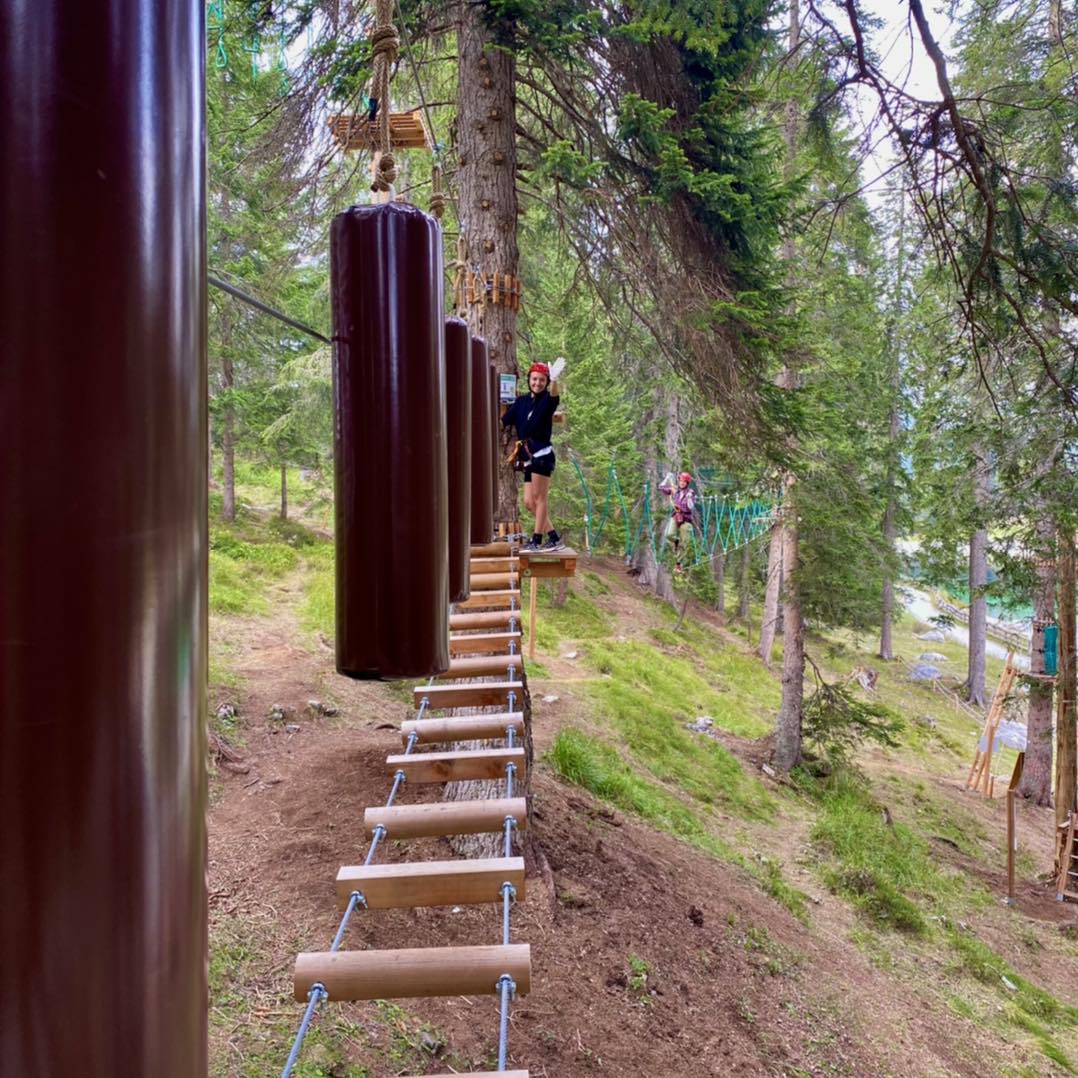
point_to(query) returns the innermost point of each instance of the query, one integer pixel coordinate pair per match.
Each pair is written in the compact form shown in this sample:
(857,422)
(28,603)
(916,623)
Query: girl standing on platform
(532,414)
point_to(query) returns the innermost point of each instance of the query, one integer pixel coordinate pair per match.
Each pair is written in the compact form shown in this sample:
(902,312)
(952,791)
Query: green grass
(319,605)
(649,696)
(247,556)
(597,767)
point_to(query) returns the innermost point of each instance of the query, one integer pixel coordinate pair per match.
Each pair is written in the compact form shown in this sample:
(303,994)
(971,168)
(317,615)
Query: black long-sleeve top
(533,418)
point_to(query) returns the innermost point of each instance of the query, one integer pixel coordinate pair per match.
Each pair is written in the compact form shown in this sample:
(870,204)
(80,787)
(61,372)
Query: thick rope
(385,45)
(437,195)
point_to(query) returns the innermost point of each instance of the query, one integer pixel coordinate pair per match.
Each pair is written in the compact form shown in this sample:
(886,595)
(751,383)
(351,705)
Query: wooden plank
(456,766)
(544,569)
(407,131)
(481,1074)
(493,581)
(491,600)
(442,818)
(463,727)
(431,883)
(479,566)
(476,694)
(503,549)
(483,666)
(416,971)
(484,619)
(483,643)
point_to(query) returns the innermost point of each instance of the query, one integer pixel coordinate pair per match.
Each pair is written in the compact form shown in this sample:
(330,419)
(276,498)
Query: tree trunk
(487,202)
(228,431)
(976,692)
(719,569)
(1067,711)
(486,181)
(284,491)
(770,619)
(894,432)
(743,579)
(1036,784)
(787,753)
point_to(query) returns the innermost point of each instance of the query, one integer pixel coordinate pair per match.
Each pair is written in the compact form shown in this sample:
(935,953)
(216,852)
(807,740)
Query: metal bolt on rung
(507,886)
(510,822)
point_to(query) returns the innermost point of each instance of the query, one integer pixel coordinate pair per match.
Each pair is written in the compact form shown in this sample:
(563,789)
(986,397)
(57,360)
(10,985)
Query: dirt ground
(649,957)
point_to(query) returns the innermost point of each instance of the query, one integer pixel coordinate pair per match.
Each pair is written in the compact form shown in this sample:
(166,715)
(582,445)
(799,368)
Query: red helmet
(684,477)
(540,368)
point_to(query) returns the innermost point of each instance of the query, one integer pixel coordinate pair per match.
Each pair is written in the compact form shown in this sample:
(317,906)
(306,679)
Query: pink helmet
(684,477)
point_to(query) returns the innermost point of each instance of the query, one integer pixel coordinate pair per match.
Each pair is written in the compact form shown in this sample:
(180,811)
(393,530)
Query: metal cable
(318,991)
(265,308)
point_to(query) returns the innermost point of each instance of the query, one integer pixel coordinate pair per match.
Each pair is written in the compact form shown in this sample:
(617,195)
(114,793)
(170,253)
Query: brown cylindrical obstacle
(482,447)
(495,439)
(392,529)
(458,375)
(103,538)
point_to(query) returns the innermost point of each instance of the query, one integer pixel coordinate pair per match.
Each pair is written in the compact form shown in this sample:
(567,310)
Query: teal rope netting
(722,524)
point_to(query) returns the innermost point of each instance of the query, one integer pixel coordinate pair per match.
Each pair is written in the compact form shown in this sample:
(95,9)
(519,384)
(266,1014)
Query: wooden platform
(407,131)
(553,564)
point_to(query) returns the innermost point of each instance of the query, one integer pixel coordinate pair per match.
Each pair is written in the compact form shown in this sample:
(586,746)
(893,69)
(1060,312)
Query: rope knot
(385,41)
(387,173)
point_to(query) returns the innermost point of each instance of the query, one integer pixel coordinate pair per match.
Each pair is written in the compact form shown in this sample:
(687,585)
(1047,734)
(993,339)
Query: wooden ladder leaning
(980,776)
(1067,884)
(485,644)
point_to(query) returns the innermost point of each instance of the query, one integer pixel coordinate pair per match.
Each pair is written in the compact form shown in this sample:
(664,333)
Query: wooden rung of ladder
(483,1074)
(418,971)
(483,643)
(1067,854)
(480,566)
(491,600)
(493,581)
(485,619)
(431,883)
(499,549)
(474,694)
(443,818)
(482,666)
(457,766)
(463,727)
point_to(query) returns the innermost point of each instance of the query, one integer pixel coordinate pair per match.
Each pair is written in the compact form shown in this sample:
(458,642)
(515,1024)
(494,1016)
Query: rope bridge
(722,525)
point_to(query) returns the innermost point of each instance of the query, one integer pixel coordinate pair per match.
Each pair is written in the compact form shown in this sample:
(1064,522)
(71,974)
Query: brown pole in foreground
(103,538)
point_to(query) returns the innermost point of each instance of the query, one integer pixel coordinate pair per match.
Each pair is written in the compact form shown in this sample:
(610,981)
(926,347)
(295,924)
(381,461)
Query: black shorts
(543,465)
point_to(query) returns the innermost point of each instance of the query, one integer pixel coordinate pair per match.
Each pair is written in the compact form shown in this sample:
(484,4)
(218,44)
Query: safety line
(265,308)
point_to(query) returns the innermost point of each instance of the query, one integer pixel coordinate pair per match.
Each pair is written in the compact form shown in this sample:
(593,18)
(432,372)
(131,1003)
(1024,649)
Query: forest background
(688,206)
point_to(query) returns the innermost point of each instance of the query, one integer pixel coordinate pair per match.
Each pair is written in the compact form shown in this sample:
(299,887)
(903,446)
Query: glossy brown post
(458,377)
(390,443)
(102,538)
(482,447)
(495,430)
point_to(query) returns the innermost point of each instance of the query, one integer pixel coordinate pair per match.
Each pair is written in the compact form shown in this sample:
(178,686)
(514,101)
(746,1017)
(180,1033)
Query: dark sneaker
(551,545)
(530,547)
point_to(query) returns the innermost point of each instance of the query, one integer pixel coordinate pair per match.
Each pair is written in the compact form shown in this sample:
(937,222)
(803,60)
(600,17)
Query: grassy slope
(912,907)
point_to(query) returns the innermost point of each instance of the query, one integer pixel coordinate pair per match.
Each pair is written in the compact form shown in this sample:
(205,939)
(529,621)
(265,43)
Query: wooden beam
(418,971)
(491,600)
(407,131)
(480,566)
(463,727)
(493,550)
(482,666)
(483,643)
(446,818)
(493,581)
(431,883)
(484,619)
(475,694)
(456,766)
